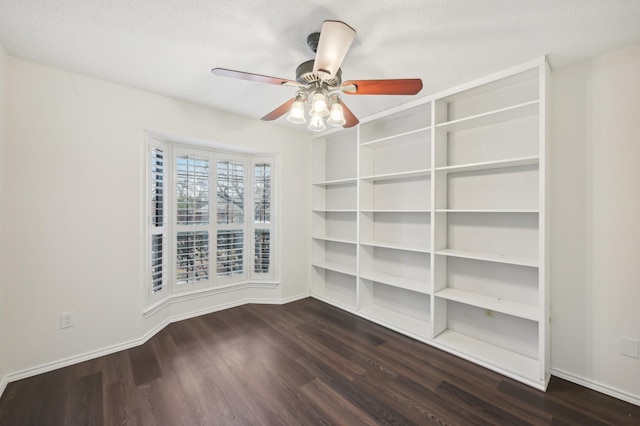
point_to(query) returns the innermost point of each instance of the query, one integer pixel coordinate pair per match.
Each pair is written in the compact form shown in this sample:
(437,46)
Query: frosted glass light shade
(316,123)
(319,105)
(336,117)
(296,114)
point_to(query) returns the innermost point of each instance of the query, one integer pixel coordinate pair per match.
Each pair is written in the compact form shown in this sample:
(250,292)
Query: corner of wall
(3,101)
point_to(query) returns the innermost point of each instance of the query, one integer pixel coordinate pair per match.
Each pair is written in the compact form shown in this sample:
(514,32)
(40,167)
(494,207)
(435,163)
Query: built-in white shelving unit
(431,219)
(334,219)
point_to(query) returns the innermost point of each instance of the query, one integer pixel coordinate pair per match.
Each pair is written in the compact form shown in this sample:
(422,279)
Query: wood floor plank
(144,364)
(334,408)
(304,363)
(567,414)
(85,407)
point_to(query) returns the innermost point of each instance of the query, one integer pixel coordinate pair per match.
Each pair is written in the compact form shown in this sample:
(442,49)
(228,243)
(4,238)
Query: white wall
(596,221)
(73,209)
(3,180)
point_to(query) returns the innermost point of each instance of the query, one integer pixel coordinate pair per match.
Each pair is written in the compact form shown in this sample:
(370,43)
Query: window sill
(196,294)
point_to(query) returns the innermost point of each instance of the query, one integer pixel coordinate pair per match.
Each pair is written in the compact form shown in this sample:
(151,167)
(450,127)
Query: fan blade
(407,86)
(335,39)
(351,119)
(280,111)
(223,72)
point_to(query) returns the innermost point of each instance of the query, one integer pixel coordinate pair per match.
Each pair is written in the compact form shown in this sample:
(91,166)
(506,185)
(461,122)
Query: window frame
(255,226)
(151,231)
(219,156)
(170,229)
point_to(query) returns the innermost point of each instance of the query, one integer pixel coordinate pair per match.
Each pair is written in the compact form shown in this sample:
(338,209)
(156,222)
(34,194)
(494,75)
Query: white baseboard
(598,387)
(3,384)
(54,365)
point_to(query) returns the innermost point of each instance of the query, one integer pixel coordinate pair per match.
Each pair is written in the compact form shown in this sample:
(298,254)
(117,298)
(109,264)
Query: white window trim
(266,226)
(173,292)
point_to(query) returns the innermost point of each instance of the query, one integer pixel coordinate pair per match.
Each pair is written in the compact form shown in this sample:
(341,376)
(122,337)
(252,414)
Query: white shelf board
(336,267)
(489,165)
(395,246)
(396,281)
(398,320)
(398,175)
(498,358)
(398,138)
(334,210)
(513,260)
(334,297)
(395,210)
(492,117)
(487,211)
(334,239)
(516,309)
(336,182)
(524,72)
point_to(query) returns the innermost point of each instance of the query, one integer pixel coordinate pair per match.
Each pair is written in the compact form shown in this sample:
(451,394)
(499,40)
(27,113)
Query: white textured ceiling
(170,46)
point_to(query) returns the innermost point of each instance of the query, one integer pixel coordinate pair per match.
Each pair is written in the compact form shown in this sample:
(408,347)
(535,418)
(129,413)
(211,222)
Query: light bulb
(319,104)
(336,117)
(316,123)
(296,114)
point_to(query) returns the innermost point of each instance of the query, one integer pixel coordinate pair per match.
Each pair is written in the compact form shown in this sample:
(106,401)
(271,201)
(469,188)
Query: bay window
(192,247)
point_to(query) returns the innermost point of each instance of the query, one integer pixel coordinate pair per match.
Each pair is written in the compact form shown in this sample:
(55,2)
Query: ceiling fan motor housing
(305,75)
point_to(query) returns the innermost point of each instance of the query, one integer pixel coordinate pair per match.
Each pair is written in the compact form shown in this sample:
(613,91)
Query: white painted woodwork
(431,221)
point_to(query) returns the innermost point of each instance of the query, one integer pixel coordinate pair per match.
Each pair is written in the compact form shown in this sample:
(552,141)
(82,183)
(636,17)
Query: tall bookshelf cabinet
(431,219)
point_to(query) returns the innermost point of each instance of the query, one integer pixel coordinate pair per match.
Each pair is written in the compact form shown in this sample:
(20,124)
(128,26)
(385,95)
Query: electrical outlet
(630,347)
(67,319)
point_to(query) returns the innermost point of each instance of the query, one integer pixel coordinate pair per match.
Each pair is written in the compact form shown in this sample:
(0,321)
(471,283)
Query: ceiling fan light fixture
(316,123)
(319,104)
(319,82)
(336,115)
(296,114)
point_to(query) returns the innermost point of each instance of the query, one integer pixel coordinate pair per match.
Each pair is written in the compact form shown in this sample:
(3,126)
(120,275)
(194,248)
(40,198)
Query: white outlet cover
(630,347)
(66,319)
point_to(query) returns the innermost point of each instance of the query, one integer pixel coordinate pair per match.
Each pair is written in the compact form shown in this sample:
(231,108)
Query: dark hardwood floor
(301,363)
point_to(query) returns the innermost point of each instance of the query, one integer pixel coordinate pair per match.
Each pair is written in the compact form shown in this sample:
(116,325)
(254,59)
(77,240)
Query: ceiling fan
(319,82)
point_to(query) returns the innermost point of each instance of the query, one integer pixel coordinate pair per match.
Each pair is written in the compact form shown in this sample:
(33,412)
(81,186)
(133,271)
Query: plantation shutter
(230,238)
(158,253)
(262,241)
(192,219)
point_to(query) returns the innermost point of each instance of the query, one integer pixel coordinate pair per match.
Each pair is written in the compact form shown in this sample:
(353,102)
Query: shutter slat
(230,253)
(192,256)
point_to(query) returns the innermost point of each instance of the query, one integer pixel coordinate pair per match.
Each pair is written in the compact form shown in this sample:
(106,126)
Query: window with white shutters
(262,193)
(230,192)
(230,256)
(158,253)
(262,251)
(185,240)
(262,236)
(192,190)
(230,195)
(192,256)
